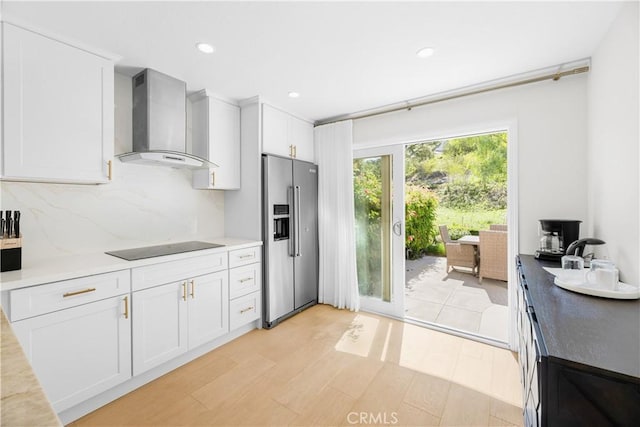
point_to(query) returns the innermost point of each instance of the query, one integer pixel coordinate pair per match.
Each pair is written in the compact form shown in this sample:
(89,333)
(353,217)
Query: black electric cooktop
(160,250)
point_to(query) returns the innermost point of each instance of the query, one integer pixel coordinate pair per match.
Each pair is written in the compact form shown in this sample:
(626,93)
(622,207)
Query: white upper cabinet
(286,135)
(216,137)
(275,130)
(58,110)
(301,137)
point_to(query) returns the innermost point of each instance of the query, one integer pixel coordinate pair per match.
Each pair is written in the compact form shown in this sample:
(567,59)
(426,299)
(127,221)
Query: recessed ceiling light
(425,52)
(205,47)
(294,95)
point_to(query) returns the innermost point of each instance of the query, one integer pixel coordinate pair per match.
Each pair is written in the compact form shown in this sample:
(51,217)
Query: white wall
(144,204)
(550,121)
(613,160)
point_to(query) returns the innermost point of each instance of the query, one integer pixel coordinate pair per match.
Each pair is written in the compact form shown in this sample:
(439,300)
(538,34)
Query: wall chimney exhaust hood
(160,123)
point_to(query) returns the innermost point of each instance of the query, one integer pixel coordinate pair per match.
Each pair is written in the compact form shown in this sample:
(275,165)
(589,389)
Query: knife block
(10,254)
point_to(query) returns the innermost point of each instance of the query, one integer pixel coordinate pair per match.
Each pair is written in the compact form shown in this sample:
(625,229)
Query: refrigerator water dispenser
(280,222)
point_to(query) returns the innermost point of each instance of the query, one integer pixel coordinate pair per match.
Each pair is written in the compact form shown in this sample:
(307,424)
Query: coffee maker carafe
(555,236)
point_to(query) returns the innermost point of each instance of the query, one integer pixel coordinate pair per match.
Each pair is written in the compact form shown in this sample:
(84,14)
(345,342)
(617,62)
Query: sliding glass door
(379,209)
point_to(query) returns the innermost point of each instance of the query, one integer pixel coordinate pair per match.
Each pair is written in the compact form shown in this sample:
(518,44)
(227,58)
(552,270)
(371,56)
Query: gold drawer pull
(126,307)
(246,309)
(110,167)
(193,289)
(246,256)
(84,291)
(184,291)
(246,279)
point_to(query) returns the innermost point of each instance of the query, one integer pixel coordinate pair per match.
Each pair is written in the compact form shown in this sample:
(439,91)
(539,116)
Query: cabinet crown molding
(17,22)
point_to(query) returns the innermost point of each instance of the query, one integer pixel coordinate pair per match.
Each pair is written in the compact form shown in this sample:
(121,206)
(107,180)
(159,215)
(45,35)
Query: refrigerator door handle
(297,220)
(293,235)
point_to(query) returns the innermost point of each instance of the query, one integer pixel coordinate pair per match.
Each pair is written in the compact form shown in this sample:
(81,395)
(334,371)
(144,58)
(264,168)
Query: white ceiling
(341,57)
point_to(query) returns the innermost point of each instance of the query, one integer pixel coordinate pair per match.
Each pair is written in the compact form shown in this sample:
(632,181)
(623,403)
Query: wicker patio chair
(498,227)
(493,250)
(458,255)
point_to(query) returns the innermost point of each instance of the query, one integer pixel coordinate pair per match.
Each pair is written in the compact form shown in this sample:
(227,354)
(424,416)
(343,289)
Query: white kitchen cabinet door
(208,308)
(275,131)
(57,110)
(286,135)
(79,352)
(301,137)
(159,325)
(216,137)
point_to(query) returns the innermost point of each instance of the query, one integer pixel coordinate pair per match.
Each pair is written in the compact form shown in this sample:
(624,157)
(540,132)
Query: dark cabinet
(579,355)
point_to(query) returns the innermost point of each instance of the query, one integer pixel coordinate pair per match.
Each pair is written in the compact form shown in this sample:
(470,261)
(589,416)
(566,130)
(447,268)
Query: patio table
(469,240)
(475,241)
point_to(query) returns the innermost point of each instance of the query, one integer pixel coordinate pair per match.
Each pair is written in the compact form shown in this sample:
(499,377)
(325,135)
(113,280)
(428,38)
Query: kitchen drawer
(245,256)
(244,280)
(173,271)
(244,310)
(50,297)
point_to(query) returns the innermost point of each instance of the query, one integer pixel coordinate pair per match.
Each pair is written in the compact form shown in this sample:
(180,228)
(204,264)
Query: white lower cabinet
(79,352)
(159,325)
(86,335)
(245,283)
(173,318)
(208,308)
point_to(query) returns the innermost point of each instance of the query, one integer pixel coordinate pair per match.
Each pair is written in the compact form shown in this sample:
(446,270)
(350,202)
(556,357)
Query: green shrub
(477,195)
(420,220)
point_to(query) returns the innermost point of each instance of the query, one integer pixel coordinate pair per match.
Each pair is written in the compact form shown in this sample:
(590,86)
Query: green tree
(367,189)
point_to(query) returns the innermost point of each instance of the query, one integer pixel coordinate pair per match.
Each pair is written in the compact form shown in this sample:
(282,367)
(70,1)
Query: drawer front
(245,256)
(244,280)
(37,300)
(244,310)
(173,271)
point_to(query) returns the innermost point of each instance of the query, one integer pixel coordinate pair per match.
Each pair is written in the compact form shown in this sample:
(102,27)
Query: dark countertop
(599,332)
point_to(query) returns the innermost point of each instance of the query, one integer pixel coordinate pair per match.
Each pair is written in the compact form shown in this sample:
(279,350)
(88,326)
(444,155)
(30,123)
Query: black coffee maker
(556,236)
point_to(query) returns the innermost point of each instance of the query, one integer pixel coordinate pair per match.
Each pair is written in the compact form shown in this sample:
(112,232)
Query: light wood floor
(336,368)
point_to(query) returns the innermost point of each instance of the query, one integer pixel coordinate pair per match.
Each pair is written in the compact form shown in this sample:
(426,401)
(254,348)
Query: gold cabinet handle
(213,178)
(246,256)
(246,279)
(295,151)
(126,307)
(110,168)
(291,151)
(246,309)
(184,291)
(84,291)
(193,289)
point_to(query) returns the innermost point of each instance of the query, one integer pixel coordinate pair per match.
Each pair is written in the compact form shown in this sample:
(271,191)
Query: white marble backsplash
(143,205)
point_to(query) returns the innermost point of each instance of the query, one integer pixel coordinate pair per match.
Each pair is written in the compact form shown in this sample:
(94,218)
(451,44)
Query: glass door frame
(396,261)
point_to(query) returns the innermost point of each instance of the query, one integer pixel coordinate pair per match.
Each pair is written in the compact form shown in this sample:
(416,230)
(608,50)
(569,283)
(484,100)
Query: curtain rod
(409,105)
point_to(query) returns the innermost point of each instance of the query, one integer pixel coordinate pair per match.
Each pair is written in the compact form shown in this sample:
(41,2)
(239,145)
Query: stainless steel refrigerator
(290,235)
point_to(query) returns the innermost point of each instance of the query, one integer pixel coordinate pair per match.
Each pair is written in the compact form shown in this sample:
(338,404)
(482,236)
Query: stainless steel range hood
(160,123)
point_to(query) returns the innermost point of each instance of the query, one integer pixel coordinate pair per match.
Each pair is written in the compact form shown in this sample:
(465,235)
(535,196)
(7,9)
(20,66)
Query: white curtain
(336,225)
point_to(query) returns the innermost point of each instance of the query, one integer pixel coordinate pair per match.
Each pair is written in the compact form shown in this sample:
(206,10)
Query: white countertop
(69,267)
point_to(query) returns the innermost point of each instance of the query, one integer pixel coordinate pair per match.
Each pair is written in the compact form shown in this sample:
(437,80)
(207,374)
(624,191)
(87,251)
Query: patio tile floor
(457,299)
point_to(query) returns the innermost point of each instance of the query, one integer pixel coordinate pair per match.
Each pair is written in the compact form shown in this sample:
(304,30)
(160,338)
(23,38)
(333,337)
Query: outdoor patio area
(456,299)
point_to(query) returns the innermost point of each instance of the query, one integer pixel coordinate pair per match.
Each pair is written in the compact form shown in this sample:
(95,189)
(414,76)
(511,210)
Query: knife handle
(16,224)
